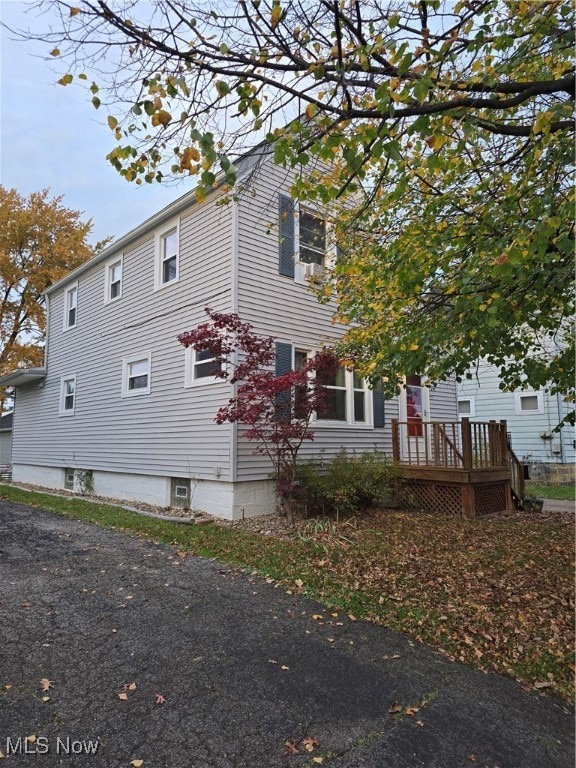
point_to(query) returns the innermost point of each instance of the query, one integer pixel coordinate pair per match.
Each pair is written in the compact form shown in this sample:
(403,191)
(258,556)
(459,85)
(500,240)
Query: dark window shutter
(286,233)
(283,365)
(378,405)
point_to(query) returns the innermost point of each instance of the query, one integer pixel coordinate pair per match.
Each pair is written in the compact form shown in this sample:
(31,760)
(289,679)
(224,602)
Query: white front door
(414,414)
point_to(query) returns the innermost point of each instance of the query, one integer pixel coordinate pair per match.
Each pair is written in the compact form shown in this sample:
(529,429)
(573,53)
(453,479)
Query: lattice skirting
(443,499)
(489,498)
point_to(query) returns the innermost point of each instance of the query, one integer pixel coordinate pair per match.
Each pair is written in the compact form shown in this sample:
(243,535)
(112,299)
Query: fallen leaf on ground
(46,684)
(309,743)
(31,739)
(284,667)
(290,747)
(123,696)
(160,699)
(137,763)
(299,583)
(395,708)
(318,760)
(542,685)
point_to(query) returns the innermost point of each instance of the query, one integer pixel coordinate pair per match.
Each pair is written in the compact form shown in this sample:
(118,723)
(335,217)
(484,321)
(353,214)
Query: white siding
(525,428)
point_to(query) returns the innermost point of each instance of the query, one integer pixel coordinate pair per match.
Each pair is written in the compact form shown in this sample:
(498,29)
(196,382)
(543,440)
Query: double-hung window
(113,280)
(136,375)
(346,399)
(312,238)
(167,256)
(70,307)
(201,367)
(67,395)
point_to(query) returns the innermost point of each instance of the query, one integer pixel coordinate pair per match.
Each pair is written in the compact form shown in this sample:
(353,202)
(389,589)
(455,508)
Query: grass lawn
(494,593)
(560,492)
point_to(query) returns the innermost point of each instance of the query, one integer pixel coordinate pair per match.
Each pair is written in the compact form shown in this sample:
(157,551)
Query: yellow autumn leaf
(275,16)
(310,111)
(413,347)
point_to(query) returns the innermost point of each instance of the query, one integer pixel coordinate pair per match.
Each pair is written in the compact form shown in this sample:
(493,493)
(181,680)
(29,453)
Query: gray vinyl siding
(278,306)
(171,431)
(525,429)
(5,448)
(443,401)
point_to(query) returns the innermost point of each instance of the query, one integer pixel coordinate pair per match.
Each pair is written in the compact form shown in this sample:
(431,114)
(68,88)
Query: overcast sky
(52,137)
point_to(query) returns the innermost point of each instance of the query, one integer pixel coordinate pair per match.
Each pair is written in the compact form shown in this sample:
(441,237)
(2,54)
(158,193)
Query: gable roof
(244,163)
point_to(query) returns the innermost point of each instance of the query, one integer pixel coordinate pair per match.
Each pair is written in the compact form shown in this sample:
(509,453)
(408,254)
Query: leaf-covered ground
(497,593)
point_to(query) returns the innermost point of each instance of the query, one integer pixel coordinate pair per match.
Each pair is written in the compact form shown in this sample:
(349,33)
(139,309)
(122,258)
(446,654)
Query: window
(200,367)
(466,407)
(113,280)
(180,492)
(312,238)
(69,479)
(70,307)
(167,256)
(529,403)
(67,395)
(136,375)
(347,398)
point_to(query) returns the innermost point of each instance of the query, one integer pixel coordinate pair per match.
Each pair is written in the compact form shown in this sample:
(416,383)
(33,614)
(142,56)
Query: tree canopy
(40,242)
(448,124)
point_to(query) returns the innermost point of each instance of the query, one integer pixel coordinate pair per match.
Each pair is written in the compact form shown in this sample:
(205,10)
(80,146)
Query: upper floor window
(312,238)
(167,256)
(67,395)
(136,375)
(201,367)
(71,307)
(305,249)
(113,280)
(529,403)
(346,398)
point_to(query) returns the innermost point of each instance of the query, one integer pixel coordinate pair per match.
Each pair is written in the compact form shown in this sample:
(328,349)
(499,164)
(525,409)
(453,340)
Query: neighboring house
(531,417)
(120,399)
(6,440)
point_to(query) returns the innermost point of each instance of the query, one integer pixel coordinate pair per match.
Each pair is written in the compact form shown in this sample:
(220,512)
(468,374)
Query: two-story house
(121,402)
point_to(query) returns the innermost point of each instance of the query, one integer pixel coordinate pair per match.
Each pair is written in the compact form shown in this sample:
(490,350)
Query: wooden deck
(459,468)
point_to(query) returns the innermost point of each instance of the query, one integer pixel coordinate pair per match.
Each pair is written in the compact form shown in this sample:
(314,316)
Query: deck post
(503,442)
(468,505)
(395,441)
(494,442)
(466,443)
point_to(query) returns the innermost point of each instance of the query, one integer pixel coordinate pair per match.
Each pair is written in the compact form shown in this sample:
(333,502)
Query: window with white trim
(113,280)
(528,403)
(136,375)
(167,256)
(71,307)
(67,395)
(312,238)
(347,399)
(466,407)
(200,367)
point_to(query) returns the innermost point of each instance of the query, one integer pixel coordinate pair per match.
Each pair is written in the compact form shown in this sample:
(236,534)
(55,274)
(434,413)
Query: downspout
(560,430)
(233,454)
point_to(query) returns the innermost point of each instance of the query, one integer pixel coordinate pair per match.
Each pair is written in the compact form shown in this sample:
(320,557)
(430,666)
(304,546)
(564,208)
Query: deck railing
(462,444)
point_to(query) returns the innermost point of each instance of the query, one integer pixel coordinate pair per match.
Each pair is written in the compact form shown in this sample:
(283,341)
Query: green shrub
(347,483)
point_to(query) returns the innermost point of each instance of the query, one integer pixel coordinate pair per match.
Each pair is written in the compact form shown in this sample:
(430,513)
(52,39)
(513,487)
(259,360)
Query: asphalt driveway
(182,663)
